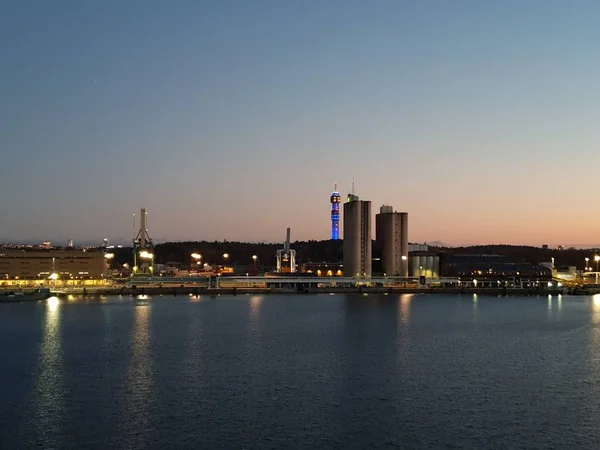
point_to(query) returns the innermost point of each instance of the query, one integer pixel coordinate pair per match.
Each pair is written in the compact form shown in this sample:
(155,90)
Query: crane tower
(286,254)
(143,248)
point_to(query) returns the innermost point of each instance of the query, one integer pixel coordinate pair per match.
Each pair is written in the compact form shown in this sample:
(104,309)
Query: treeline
(240,253)
(534,255)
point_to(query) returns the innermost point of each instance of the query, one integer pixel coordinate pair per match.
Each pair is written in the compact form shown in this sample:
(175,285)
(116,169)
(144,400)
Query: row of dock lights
(198,257)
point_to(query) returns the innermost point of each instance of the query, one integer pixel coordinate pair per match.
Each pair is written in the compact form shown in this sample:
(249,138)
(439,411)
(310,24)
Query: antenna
(352,184)
(335,187)
(134,226)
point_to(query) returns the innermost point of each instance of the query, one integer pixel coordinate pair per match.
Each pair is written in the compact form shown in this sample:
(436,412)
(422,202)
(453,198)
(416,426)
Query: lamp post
(597,258)
(144,254)
(225,258)
(197,257)
(587,266)
(108,257)
(254,258)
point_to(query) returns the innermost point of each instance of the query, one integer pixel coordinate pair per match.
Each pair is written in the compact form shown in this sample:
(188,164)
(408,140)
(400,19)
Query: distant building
(357,237)
(566,273)
(391,237)
(52,265)
(487,268)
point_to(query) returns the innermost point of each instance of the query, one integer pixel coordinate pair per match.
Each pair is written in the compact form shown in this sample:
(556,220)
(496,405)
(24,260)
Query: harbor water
(301,371)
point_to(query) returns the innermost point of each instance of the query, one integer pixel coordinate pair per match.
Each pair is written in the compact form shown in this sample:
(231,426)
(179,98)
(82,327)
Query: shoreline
(197,291)
(234,291)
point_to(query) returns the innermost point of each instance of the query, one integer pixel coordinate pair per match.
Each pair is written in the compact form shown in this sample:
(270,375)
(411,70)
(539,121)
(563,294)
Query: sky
(232,120)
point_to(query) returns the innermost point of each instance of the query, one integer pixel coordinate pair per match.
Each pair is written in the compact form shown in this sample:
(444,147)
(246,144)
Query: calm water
(346,372)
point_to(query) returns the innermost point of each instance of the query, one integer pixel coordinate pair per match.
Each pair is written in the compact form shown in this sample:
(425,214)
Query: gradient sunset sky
(233,119)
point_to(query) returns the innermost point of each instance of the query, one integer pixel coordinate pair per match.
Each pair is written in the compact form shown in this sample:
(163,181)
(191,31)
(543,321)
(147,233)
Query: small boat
(40,294)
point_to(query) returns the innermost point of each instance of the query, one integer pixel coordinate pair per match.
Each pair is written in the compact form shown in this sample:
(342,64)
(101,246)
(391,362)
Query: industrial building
(323,269)
(39,265)
(357,237)
(492,268)
(391,237)
(424,264)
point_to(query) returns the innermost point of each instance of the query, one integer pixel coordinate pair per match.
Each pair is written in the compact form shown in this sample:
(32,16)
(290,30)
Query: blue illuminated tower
(335,213)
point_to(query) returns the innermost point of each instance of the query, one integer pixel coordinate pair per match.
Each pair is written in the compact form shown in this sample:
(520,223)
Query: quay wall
(174,291)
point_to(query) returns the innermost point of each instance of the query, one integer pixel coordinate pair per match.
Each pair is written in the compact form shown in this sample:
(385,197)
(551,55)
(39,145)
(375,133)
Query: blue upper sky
(233,119)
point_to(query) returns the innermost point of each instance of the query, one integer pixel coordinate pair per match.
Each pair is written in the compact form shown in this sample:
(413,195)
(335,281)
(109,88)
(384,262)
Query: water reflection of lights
(139,375)
(405,303)
(195,298)
(596,309)
(255,304)
(53,303)
(49,382)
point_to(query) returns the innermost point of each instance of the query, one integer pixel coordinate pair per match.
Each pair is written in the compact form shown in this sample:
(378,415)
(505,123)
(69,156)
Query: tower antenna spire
(335,200)
(352,184)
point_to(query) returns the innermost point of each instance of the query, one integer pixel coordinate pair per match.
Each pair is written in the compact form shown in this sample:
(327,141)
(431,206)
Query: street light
(225,258)
(597,258)
(108,257)
(587,260)
(197,257)
(146,255)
